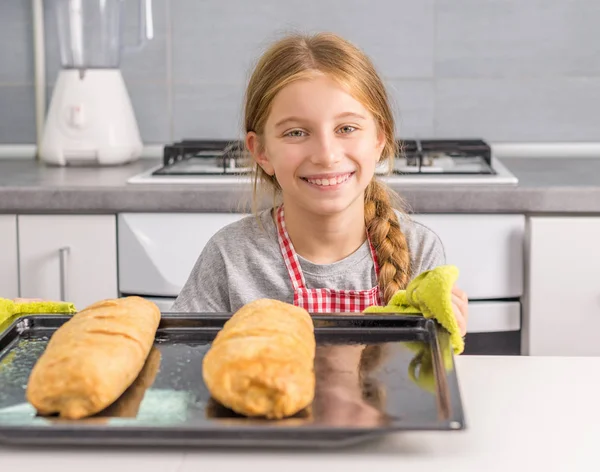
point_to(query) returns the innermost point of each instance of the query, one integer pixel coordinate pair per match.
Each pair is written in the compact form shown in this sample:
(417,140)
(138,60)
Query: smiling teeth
(326,182)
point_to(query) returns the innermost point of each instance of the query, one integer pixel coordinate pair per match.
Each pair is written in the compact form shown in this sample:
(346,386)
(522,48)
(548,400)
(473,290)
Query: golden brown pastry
(93,358)
(262,362)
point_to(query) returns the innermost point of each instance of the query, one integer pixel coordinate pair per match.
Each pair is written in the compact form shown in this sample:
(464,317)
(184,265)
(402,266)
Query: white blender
(90,120)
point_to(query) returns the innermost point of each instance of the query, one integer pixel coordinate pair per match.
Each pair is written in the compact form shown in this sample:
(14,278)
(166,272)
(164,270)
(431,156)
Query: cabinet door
(72,258)
(562,306)
(9,271)
(488,250)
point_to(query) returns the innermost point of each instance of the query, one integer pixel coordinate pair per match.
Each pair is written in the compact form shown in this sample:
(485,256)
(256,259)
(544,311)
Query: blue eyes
(298,133)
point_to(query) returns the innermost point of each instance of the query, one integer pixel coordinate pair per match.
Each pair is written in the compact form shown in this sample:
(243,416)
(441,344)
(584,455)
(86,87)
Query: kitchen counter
(546,186)
(523,413)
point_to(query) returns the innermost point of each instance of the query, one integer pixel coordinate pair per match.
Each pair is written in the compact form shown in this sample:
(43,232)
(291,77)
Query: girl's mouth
(329,183)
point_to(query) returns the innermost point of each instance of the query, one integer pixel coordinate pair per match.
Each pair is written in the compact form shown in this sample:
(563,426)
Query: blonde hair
(297,57)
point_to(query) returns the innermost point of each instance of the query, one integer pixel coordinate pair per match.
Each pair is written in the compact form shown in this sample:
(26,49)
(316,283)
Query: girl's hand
(460,305)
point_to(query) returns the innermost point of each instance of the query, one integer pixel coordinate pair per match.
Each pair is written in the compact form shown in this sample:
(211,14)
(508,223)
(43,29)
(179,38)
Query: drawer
(494,317)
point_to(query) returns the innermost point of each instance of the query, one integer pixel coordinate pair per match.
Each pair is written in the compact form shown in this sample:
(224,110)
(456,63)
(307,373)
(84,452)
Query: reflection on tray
(349,394)
(215,411)
(128,404)
(421,369)
(159,408)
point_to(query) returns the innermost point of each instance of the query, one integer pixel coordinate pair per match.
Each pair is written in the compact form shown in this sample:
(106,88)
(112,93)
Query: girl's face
(321,144)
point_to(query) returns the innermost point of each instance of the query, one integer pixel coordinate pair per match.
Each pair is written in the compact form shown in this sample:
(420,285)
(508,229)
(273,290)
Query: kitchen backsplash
(504,70)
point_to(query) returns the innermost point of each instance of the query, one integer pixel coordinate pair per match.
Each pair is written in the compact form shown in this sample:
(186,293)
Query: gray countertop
(546,186)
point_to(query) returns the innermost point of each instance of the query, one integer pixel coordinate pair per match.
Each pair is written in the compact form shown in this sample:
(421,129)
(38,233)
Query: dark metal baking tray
(375,375)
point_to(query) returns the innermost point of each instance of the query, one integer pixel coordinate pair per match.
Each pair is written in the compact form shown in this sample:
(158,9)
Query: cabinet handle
(62,256)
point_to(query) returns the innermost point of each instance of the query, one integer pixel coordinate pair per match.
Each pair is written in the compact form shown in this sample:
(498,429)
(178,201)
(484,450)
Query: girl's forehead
(315,98)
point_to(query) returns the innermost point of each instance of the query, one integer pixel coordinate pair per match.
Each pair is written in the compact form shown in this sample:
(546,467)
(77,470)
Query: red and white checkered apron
(322,300)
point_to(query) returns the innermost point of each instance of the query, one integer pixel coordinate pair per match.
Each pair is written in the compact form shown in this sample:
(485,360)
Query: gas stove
(422,162)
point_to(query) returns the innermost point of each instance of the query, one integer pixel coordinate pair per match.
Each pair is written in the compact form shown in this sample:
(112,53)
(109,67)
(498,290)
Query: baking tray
(375,375)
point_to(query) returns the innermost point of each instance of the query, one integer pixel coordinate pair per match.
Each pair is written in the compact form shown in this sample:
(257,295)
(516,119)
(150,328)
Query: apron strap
(289,254)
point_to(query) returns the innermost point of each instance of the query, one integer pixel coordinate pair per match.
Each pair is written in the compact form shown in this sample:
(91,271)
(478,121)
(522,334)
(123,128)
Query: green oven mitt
(9,308)
(429,294)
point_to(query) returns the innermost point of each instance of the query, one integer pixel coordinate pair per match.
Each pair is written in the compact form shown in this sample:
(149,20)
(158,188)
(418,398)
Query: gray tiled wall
(504,70)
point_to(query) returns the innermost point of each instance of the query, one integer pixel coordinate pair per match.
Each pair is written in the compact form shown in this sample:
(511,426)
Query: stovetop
(431,160)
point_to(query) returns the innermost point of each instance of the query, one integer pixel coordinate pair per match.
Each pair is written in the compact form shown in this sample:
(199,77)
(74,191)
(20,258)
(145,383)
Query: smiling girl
(317,123)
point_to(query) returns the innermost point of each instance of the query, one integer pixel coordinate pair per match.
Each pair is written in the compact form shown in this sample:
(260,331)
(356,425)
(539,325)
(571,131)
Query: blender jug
(90,32)
(90,120)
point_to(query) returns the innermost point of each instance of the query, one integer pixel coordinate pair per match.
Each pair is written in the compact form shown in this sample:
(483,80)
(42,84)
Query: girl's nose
(325,152)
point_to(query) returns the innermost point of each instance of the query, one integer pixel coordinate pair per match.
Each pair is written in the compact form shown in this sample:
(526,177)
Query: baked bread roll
(262,362)
(93,358)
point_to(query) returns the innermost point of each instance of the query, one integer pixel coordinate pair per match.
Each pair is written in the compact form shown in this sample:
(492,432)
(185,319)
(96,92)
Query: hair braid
(387,239)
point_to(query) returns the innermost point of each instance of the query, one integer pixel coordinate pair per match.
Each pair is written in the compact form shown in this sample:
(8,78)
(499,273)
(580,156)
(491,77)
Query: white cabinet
(488,250)
(68,257)
(9,270)
(562,306)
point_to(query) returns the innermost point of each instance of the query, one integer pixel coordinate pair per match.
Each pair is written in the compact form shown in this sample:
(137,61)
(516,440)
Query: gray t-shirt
(242,262)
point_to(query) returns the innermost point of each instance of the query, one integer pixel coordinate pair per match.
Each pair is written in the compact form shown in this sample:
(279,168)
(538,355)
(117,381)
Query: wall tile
(413,105)
(152,111)
(517,38)
(554,109)
(17,114)
(220,41)
(16,42)
(207,110)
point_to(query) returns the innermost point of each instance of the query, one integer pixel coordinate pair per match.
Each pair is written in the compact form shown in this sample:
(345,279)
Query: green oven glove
(429,294)
(9,308)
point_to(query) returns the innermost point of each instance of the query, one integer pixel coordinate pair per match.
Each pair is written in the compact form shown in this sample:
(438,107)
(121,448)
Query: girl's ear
(380,143)
(258,152)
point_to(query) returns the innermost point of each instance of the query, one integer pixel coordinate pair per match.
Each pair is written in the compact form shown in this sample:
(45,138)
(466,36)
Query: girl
(317,122)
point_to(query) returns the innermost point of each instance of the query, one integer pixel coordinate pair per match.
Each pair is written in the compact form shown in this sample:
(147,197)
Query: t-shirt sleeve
(206,289)
(429,251)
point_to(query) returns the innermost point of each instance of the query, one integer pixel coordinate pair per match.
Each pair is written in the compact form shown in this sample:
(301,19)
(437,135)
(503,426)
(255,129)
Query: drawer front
(493,317)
